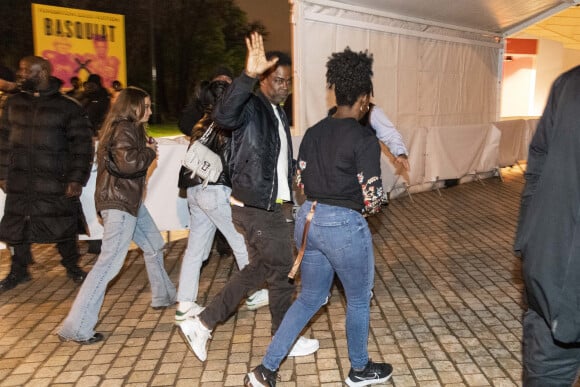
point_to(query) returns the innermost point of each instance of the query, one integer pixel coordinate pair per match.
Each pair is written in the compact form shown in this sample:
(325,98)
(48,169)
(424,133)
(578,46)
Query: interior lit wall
(571,58)
(519,76)
(549,65)
(527,79)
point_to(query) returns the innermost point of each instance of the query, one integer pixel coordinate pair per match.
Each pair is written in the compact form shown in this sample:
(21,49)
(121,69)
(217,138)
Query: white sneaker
(193,311)
(258,299)
(304,347)
(196,336)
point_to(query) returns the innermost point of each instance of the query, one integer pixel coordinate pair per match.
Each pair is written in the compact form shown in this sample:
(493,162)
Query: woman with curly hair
(339,169)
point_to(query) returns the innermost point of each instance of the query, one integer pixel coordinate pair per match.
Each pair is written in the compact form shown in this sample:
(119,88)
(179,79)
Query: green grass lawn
(164,130)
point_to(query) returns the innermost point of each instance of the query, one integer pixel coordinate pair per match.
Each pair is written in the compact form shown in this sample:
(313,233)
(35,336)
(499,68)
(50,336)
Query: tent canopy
(437,62)
(436,72)
(494,16)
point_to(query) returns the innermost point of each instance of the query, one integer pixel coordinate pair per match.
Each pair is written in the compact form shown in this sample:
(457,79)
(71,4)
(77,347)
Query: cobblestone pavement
(446,311)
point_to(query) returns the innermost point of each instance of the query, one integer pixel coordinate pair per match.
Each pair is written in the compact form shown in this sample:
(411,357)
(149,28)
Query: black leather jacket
(255,143)
(220,142)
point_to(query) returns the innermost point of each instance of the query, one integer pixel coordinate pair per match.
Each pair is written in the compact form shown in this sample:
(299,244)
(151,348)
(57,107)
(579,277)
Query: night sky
(275,15)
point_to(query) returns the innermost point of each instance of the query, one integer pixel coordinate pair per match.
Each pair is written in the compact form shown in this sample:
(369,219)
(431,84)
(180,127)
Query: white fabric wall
(419,81)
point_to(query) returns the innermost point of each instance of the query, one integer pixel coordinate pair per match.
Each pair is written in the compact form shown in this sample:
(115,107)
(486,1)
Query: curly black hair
(350,74)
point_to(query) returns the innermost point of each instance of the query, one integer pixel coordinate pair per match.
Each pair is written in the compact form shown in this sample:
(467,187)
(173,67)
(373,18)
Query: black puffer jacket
(255,143)
(45,143)
(128,156)
(218,141)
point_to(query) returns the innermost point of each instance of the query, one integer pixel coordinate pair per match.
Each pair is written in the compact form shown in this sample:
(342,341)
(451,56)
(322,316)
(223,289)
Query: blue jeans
(120,228)
(209,208)
(339,241)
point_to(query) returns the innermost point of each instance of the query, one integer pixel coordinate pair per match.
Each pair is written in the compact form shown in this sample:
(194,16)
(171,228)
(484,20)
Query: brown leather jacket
(122,162)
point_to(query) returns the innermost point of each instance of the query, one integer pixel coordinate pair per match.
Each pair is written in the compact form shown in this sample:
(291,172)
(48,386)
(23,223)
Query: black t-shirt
(339,164)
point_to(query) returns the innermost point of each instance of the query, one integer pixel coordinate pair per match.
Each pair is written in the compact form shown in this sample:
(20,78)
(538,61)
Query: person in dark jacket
(209,207)
(76,91)
(194,111)
(261,171)
(547,238)
(189,117)
(96,100)
(46,152)
(7,84)
(123,158)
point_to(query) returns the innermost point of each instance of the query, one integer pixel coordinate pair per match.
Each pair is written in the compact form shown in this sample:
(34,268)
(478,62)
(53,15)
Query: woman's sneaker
(260,377)
(190,311)
(258,299)
(373,373)
(196,336)
(304,347)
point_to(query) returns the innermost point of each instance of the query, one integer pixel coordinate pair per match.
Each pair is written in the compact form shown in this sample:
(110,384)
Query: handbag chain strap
(207,133)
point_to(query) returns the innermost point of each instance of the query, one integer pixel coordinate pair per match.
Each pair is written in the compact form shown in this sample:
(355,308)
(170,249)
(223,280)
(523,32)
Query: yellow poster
(78,42)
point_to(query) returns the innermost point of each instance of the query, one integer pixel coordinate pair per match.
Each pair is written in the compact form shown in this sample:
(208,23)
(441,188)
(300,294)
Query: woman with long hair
(339,169)
(124,155)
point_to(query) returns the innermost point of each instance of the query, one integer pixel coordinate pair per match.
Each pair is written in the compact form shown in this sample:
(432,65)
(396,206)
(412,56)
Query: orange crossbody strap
(300,255)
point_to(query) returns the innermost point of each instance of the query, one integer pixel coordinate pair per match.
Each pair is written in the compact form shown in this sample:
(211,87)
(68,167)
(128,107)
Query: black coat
(255,143)
(548,232)
(97,105)
(45,143)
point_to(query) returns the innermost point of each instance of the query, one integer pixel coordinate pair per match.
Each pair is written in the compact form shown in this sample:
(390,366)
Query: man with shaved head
(46,153)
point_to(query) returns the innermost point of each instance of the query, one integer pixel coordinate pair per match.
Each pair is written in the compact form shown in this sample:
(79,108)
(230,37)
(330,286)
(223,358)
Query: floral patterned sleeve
(301,167)
(369,174)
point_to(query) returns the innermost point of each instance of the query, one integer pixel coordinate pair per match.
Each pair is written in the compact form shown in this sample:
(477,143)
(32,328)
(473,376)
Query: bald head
(33,73)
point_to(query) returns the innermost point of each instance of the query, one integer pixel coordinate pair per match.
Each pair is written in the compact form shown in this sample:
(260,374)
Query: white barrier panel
(516,135)
(455,151)
(513,146)
(394,180)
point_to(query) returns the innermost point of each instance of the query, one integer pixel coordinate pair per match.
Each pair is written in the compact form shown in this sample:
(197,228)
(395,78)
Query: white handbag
(202,161)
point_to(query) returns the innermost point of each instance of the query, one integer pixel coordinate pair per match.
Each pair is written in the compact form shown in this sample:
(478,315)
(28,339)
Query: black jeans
(22,255)
(267,236)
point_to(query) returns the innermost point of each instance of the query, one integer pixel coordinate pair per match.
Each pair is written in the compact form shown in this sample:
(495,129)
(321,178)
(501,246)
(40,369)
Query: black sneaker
(76,274)
(261,377)
(373,373)
(13,280)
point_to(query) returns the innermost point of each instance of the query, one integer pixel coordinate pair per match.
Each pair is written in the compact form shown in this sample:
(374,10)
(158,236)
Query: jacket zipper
(30,163)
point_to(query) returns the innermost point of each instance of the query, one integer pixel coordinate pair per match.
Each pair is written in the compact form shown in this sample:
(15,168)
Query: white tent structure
(437,72)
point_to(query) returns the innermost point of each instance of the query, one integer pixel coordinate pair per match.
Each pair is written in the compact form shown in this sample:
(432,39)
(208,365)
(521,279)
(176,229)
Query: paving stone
(446,312)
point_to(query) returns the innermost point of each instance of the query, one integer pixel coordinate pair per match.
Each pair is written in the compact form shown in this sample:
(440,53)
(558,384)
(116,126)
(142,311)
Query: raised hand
(256,62)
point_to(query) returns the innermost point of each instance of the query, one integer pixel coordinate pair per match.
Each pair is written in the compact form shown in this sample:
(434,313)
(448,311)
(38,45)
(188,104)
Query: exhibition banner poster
(79,42)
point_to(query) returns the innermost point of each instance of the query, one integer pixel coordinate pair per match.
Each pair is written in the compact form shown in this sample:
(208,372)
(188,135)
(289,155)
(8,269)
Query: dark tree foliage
(184,39)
